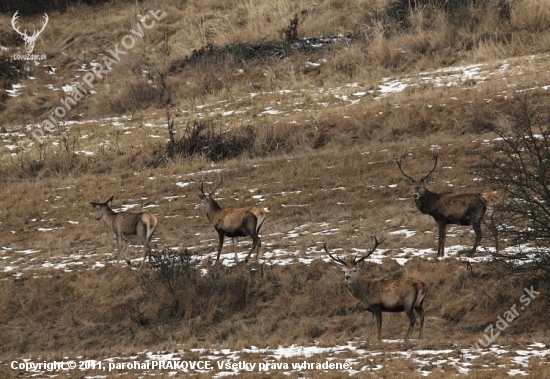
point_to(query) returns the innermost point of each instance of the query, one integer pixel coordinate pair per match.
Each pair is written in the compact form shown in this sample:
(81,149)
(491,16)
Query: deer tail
(150,222)
(422,291)
(260,217)
(491,198)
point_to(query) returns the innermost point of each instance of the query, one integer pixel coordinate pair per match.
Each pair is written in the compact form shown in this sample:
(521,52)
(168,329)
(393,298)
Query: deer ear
(408,181)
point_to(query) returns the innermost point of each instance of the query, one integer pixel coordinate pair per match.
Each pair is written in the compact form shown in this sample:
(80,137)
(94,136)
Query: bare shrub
(202,138)
(177,286)
(45,160)
(518,165)
(171,281)
(290,32)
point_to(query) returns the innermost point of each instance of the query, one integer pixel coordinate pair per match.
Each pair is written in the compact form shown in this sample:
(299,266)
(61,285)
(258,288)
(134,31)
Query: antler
(201,188)
(376,243)
(336,259)
(435,165)
(16,28)
(219,184)
(398,161)
(46,18)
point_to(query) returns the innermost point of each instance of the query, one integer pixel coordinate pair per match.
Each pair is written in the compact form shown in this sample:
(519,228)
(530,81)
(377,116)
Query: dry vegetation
(331,162)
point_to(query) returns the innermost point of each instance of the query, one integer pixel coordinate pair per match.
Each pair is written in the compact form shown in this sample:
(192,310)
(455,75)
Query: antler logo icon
(29,40)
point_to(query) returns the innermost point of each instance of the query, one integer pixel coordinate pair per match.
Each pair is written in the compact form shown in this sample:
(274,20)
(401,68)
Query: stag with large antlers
(449,208)
(29,40)
(128,227)
(384,295)
(233,222)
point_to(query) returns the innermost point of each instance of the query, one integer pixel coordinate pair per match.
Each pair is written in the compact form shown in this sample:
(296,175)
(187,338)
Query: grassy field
(302,108)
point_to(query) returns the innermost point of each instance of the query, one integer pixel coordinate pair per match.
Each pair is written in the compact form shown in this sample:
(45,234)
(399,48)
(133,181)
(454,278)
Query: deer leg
(123,251)
(378,315)
(258,248)
(221,237)
(479,235)
(412,321)
(256,241)
(442,235)
(146,252)
(371,325)
(118,240)
(420,312)
(488,221)
(234,240)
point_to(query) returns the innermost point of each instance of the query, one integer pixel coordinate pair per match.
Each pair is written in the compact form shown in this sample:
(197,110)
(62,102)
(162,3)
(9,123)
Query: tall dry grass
(328,165)
(112,308)
(427,36)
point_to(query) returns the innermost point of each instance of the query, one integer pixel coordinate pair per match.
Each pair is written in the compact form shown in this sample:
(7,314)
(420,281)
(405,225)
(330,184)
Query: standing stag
(383,295)
(448,208)
(233,222)
(128,227)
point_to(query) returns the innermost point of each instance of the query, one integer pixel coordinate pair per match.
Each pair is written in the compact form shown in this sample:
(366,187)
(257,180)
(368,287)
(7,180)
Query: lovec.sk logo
(29,39)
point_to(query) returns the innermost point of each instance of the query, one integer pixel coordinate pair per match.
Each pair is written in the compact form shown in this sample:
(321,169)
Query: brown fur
(491,198)
(128,227)
(449,208)
(383,295)
(233,222)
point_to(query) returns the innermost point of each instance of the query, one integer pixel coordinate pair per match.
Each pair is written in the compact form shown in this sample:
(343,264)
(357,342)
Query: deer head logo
(29,40)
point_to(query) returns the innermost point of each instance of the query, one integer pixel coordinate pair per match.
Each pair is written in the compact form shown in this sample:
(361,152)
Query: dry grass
(328,162)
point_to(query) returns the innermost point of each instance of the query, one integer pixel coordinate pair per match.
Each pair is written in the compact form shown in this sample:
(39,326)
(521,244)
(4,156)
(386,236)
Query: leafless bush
(180,290)
(518,165)
(290,32)
(203,139)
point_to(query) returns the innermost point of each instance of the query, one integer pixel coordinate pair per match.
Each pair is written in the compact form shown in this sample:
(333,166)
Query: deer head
(207,196)
(101,207)
(29,40)
(350,267)
(419,187)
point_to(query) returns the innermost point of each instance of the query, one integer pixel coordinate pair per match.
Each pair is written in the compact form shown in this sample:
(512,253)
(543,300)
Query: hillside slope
(302,107)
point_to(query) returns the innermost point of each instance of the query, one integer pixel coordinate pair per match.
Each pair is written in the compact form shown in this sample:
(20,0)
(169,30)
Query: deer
(384,295)
(128,227)
(29,40)
(450,208)
(233,222)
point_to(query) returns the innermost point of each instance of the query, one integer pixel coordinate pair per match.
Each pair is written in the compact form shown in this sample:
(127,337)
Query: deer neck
(427,202)
(213,210)
(360,289)
(355,287)
(109,216)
